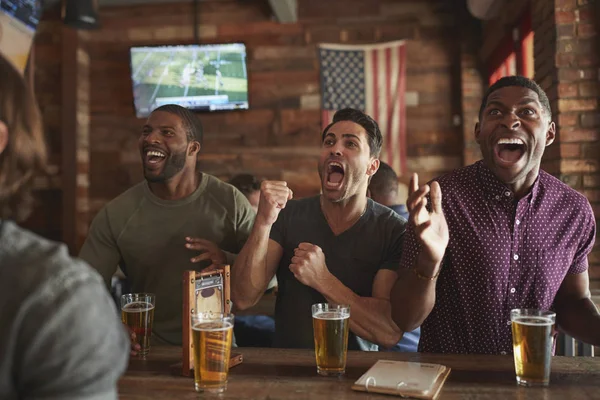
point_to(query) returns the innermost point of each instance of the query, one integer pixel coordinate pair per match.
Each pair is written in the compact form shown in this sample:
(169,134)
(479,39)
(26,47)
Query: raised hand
(209,251)
(431,229)
(274,195)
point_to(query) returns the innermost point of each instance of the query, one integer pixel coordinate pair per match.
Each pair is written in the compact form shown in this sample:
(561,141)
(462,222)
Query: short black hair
(358,117)
(384,180)
(191,123)
(521,81)
(245,183)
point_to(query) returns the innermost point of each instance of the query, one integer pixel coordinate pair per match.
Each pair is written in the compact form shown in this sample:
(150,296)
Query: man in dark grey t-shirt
(338,247)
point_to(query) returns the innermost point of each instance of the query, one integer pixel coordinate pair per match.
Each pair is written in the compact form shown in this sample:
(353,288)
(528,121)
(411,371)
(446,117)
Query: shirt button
(512,290)
(508,322)
(497,197)
(516,256)
(503,353)
(518,221)
(507,193)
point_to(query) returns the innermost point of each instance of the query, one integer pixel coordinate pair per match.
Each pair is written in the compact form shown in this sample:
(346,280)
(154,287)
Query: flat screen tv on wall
(199,77)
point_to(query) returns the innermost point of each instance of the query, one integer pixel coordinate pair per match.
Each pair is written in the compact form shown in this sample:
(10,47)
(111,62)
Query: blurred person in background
(249,185)
(60,336)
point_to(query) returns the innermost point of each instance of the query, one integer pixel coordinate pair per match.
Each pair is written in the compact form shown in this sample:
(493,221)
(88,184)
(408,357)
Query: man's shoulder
(219,188)
(128,200)
(31,263)
(559,191)
(223,193)
(386,217)
(304,207)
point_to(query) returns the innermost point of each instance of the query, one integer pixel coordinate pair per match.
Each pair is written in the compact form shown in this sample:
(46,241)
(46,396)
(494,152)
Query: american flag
(370,78)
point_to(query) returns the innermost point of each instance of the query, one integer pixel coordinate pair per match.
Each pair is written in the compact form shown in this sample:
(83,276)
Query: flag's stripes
(383,69)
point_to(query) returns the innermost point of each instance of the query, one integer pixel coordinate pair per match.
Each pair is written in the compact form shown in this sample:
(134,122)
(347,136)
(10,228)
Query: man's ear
(477,131)
(550,134)
(194,148)
(3,136)
(373,166)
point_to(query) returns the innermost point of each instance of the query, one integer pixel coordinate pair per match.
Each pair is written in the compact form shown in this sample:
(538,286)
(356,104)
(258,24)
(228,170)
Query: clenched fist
(308,265)
(274,195)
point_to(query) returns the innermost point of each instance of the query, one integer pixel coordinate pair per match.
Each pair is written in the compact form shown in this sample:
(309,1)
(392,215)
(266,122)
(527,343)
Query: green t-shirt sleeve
(100,249)
(244,219)
(395,241)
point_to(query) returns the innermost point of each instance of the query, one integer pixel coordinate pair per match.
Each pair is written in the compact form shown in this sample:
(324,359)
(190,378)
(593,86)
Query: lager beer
(137,312)
(330,326)
(532,332)
(211,335)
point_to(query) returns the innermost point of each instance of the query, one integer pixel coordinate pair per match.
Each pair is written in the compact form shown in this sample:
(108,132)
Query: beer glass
(137,312)
(533,338)
(330,326)
(212,334)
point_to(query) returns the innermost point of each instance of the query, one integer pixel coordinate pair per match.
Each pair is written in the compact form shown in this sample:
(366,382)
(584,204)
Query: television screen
(198,77)
(18,22)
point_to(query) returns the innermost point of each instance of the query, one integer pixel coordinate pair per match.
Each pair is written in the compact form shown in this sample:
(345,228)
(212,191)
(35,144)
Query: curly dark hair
(25,153)
(375,138)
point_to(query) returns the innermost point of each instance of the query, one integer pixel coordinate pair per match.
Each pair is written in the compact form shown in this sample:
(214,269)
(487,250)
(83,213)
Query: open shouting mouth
(509,151)
(153,156)
(334,178)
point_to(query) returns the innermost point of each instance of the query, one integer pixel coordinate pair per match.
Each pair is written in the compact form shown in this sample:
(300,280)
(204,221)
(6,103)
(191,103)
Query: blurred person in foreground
(60,336)
(505,235)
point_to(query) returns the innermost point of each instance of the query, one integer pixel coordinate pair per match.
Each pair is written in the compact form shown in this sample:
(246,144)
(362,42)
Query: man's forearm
(580,319)
(249,275)
(370,318)
(413,295)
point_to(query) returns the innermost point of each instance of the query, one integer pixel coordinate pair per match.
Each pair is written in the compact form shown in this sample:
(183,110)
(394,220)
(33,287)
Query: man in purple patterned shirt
(505,235)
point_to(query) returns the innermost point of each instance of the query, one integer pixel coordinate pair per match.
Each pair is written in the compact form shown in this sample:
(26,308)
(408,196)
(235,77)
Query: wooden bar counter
(291,374)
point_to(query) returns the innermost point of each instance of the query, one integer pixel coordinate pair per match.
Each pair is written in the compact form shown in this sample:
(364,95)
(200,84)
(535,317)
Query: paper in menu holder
(404,379)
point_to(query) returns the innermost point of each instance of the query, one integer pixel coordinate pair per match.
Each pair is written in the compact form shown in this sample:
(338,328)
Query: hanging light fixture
(80,14)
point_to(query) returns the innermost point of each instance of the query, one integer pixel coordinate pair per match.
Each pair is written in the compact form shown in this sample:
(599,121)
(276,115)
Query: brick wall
(567,61)
(279,136)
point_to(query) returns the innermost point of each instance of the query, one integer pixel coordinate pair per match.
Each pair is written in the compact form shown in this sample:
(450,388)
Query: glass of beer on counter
(533,339)
(212,334)
(330,326)
(137,312)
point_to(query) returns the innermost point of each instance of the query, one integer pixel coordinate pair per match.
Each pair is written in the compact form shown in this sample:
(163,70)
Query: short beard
(173,165)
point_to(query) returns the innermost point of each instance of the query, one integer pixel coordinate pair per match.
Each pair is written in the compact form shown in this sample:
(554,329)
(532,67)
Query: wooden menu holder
(204,292)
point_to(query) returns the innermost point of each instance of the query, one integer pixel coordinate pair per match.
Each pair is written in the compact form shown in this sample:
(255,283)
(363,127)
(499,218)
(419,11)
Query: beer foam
(331,315)
(137,307)
(532,320)
(212,326)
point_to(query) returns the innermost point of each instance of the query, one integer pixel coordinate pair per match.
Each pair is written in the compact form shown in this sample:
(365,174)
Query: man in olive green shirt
(154,230)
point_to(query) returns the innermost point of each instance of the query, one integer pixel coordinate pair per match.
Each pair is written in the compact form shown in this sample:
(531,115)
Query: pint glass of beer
(533,338)
(137,312)
(212,334)
(330,326)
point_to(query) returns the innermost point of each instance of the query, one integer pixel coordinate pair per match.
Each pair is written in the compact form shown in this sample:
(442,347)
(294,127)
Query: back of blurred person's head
(383,187)
(22,147)
(249,185)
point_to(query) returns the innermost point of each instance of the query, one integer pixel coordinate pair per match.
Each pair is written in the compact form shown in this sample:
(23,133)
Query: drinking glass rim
(532,312)
(211,316)
(138,295)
